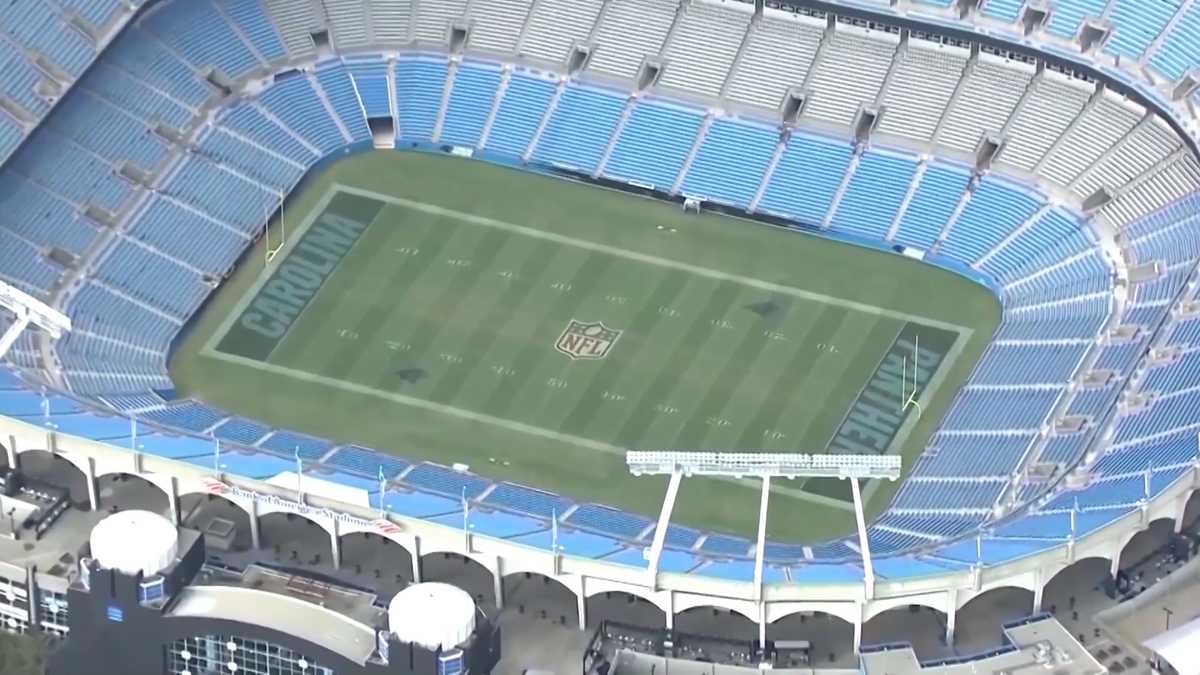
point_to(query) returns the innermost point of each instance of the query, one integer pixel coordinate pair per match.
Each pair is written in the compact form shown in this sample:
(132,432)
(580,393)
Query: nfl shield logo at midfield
(584,340)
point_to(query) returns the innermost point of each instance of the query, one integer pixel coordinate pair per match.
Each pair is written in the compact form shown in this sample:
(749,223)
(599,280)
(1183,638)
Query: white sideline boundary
(209,349)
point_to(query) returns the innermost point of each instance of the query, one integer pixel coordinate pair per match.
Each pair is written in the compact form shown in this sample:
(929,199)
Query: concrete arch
(1074,580)
(1189,515)
(850,612)
(661,600)
(718,621)
(686,601)
(1141,543)
(545,597)
(624,607)
(463,571)
(382,562)
(120,491)
(60,469)
(1052,573)
(922,626)
(295,539)
(938,602)
(212,514)
(830,638)
(979,624)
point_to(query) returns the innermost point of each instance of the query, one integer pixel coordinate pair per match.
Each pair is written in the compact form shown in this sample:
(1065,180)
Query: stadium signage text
(223,489)
(299,276)
(877,414)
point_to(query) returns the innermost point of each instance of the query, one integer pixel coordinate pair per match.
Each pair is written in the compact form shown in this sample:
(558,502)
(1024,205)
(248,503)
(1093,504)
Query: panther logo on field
(587,340)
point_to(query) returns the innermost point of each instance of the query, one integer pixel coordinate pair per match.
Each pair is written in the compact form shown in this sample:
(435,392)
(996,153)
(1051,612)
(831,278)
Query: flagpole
(466,511)
(299,475)
(554,538)
(382,489)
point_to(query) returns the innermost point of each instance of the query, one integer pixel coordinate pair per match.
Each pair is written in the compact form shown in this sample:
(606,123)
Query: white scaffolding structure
(762,465)
(28,310)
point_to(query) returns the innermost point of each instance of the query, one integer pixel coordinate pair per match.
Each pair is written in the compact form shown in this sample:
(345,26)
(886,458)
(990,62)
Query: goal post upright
(764,465)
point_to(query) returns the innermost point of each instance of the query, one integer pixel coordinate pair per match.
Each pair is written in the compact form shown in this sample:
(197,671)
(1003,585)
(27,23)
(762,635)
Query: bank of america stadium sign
(380,525)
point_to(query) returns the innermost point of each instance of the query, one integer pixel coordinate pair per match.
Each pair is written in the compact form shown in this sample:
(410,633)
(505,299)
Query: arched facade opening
(296,541)
(830,640)
(126,491)
(716,622)
(376,562)
(53,469)
(1076,592)
(541,597)
(1191,514)
(225,525)
(1145,544)
(979,625)
(461,571)
(922,627)
(624,608)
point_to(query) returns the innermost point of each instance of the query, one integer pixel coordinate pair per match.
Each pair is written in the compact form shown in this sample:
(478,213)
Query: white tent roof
(135,541)
(1179,647)
(432,615)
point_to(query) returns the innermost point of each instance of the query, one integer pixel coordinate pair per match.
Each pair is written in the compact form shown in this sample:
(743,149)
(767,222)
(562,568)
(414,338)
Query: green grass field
(451,310)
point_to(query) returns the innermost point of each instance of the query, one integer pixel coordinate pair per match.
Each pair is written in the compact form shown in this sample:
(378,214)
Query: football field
(535,328)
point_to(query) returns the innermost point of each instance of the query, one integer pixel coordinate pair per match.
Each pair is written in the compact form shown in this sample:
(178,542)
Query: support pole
(863,545)
(255,535)
(498,584)
(11,450)
(93,498)
(173,500)
(582,600)
(660,530)
(858,628)
(951,615)
(416,560)
(760,544)
(335,545)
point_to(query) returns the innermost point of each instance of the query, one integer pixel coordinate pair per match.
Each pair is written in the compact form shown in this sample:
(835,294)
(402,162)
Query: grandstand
(1048,156)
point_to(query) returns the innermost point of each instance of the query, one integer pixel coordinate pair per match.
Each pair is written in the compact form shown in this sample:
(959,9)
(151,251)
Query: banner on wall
(380,525)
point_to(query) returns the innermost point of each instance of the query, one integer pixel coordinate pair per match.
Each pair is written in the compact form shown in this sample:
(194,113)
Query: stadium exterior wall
(670,592)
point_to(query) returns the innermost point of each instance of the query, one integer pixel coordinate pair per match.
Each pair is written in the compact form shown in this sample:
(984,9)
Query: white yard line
(482,418)
(666,263)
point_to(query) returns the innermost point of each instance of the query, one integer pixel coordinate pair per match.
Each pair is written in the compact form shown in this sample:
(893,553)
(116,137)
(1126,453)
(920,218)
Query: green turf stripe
(589,274)
(787,385)
(384,293)
(421,339)
(669,287)
(534,265)
(719,302)
(728,379)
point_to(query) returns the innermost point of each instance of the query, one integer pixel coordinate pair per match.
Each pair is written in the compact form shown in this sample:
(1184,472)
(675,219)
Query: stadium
(397,286)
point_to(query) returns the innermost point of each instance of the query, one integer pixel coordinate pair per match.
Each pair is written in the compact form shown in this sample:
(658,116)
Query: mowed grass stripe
(514,335)
(362,310)
(636,338)
(883,333)
(345,280)
(480,341)
(418,326)
(788,384)
(643,414)
(835,377)
(728,378)
(591,273)
(613,302)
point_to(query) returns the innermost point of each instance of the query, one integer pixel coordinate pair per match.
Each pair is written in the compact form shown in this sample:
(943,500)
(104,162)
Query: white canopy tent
(1180,647)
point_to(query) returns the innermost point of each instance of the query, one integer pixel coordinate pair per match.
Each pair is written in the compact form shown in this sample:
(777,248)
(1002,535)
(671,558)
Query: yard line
(472,416)
(667,263)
